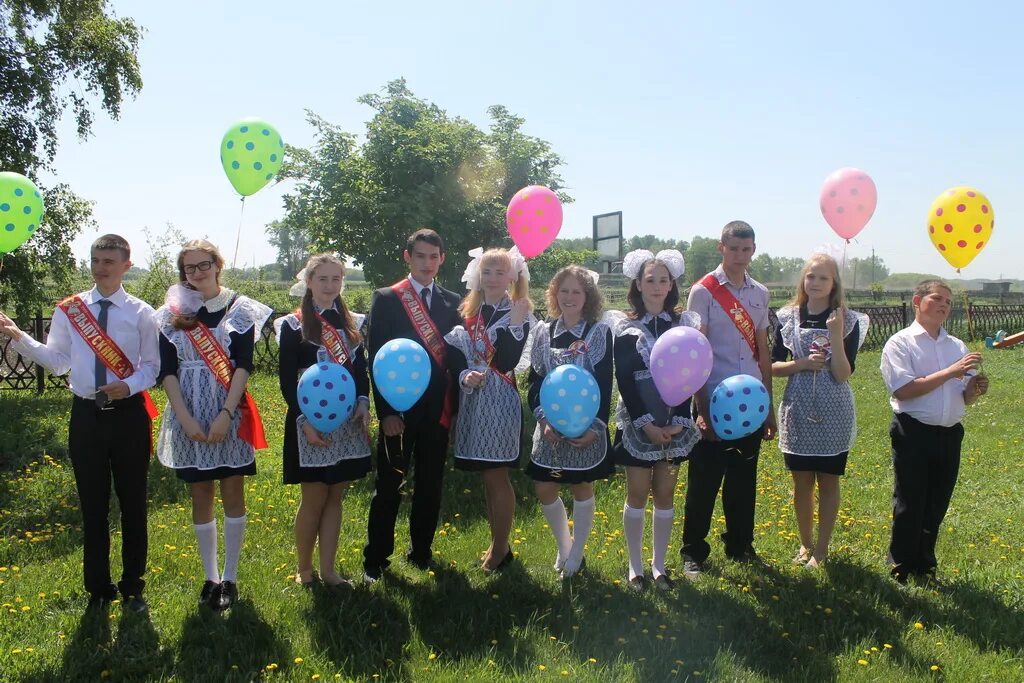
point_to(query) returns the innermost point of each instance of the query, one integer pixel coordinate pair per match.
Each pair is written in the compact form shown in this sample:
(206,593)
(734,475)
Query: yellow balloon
(960,224)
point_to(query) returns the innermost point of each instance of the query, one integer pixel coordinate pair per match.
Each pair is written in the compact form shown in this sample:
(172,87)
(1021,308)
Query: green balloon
(21,210)
(251,153)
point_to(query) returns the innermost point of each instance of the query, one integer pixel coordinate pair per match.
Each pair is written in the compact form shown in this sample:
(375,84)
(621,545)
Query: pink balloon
(533,217)
(848,200)
(681,362)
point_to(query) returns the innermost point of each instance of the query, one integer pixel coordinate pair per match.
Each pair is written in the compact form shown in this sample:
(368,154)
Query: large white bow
(471,276)
(634,261)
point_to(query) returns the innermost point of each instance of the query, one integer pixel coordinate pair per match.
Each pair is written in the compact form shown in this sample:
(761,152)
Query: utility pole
(872,265)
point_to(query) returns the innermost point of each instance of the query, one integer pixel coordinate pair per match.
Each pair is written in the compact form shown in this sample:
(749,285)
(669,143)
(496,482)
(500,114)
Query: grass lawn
(847,621)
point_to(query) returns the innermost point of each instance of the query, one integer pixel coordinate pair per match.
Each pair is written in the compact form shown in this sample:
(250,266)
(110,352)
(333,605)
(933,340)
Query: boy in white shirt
(931,377)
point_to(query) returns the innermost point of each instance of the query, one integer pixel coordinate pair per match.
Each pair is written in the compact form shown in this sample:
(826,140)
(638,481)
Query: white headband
(472,274)
(299,288)
(634,262)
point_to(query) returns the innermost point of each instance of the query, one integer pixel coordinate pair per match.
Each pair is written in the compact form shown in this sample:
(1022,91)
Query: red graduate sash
(250,429)
(330,340)
(85,324)
(731,305)
(428,334)
(478,337)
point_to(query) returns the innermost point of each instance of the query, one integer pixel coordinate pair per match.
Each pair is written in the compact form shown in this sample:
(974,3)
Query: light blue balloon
(739,406)
(327,396)
(401,373)
(570,398)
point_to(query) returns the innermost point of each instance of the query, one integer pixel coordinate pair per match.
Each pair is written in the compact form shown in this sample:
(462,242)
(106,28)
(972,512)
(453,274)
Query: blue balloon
(570,398)
(739,406)
(401,372)
(327,396)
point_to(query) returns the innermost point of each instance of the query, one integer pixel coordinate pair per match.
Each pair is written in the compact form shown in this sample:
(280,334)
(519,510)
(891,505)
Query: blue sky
(682,115)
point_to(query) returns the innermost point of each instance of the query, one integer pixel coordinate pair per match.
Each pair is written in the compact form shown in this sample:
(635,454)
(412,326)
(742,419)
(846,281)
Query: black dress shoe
(663,582)
(228,595)
(98,603)
(636,584)
(421,564)
(209,596)
(135,603)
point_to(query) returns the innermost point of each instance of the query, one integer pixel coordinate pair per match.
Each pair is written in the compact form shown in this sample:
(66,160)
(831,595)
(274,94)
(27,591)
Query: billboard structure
(608,240)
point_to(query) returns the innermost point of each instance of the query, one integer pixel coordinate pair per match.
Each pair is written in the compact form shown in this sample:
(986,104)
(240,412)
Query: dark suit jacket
(388,320)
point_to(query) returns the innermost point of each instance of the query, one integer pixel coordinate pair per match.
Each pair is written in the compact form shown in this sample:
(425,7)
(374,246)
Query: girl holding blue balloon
(326,429)
(482,355)
(211,429)
(817,419)
(653,438)
(564,454)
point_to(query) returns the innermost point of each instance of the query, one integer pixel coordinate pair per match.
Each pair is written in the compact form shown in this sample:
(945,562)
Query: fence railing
(976,321)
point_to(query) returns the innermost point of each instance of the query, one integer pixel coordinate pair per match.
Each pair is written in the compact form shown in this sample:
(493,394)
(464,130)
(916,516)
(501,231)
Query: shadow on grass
(364,632)
(237,643)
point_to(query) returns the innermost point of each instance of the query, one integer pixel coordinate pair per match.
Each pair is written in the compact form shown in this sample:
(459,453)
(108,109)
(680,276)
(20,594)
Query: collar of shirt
(332,307)
(118,298)
(664,315)
(419,288)
(915,328)
(576,330)
(218,302)
(503,305)
(719,273)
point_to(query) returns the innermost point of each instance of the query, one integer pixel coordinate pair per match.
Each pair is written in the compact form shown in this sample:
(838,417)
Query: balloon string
(238,237)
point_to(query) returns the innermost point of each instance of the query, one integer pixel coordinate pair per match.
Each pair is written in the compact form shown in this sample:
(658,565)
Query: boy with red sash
(107,339)
(416,308)
(733,309)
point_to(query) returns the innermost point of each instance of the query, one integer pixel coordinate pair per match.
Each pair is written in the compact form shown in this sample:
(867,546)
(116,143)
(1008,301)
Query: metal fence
(975,321)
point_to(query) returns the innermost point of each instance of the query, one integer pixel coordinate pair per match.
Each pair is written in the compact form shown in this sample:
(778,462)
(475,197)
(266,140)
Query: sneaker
(372,575)
(209,596)
(692,569)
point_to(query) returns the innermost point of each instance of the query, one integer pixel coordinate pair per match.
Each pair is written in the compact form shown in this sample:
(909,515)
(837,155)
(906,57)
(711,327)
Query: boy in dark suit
(416,308)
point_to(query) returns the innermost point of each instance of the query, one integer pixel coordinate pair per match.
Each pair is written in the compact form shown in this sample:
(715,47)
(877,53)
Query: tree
(292,246)
(702,257)
(544,267)
(417,167)
(653,243)
(55,56)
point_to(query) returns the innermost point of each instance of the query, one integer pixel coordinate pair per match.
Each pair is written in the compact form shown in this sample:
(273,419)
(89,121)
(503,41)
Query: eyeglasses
(204,266)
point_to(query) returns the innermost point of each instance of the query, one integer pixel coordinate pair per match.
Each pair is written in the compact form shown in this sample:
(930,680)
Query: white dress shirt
(131,323)
(419,290)
(912,353)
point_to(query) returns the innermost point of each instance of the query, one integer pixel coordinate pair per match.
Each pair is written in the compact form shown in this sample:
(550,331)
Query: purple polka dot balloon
(323,406)
(739,406)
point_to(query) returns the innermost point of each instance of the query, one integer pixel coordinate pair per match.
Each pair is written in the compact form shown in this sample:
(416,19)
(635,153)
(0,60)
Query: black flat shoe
(136,604)
(664,583)
(636,584)
(228,595)
(98,603)
(505,562)
(209,596)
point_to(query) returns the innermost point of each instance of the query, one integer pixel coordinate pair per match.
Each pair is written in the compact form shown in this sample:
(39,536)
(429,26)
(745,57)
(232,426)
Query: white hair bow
(183,300)
(471,276)
(299,288)
(634,262)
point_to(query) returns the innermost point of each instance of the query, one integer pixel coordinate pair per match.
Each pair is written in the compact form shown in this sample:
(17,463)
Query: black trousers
(104,445)
(425,447)
(925,462)
(732,467)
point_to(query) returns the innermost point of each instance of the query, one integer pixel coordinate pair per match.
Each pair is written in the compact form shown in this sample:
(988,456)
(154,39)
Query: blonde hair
(836,300)
(311,327)
(520,288)
(187,322)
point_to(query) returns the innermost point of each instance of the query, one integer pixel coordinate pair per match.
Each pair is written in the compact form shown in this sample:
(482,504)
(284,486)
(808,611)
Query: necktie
(101,369)
(425,293)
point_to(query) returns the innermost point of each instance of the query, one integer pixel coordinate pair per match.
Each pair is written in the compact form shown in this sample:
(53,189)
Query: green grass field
(846,622)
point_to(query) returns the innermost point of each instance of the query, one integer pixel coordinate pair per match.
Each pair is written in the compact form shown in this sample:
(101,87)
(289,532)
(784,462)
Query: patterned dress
(347,457)
(817,417)
(588,345)
(490,420)
(235,321)
(639,401)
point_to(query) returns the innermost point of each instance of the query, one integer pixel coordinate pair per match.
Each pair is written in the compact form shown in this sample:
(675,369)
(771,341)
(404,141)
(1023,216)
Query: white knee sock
(234,533)
(582,523)
(559,523)
(633,525)
(206,535)
(662,532)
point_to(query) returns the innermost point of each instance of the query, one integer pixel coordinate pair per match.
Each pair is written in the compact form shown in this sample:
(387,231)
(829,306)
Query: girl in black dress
(322,464)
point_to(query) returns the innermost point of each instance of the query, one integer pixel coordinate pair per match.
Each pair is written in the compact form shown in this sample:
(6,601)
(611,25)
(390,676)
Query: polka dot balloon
(739,406)
(570,398)
(681,362)
(251,153)
(327,396)
(533,218)
(401,372)
(21,210)
(960,224)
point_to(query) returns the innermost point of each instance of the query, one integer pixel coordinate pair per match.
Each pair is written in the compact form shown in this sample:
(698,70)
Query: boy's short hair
(111,241)
(738,229)
(424,235)
(925,287)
